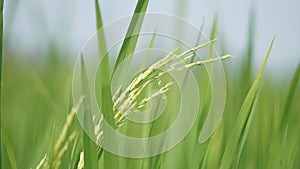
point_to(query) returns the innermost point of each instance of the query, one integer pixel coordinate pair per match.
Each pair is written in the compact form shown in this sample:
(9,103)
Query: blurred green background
(43,38)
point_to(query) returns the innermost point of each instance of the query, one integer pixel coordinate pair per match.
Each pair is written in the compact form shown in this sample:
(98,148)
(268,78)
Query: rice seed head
(81,161)
(195,48)
(127,100)
(198,63)
(98,129)
(70,118)
(161,91)
(63,150)
(156,66)
(99,138)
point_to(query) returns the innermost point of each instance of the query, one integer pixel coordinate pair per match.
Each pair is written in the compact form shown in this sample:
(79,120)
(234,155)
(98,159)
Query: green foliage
(89,147)
(258,131)
(10,153)
(290,97)
(130,41)
(242,120)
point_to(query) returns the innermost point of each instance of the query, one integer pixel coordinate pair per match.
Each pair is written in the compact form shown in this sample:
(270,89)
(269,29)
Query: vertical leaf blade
(289,100)
(237,131)
(213,35)
(9,151)
(135,26)
(90,148)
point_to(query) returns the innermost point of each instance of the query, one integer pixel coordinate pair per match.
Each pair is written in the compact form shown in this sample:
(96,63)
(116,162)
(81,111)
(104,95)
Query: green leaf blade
(89,147)
(237,132)
(130,41)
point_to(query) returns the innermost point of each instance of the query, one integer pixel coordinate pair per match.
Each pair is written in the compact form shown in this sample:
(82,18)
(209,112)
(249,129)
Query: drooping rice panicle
(63,150)
(63,135)
(127,100)
(98,129)
(155,94)
(198,63)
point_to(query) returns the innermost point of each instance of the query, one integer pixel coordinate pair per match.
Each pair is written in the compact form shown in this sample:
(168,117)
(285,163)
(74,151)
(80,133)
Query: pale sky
(31,23)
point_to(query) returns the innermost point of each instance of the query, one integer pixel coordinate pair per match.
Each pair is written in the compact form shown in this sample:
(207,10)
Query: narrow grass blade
(90,154)
(142,67)
(159,162)
(104,85)
(90,148)
(250,48)
(213,36)
(286,132)
(102,43)
(127,48)
(238,130)
(105,68)
(246,69)
(181,8)
(198,39)
(52,145)
(130,41)
(43,163)
(146,58)
(290,97)
(73,159)
(9,151)
(99,23)
(206,91)
(247,127)
(110,161)
(204,160)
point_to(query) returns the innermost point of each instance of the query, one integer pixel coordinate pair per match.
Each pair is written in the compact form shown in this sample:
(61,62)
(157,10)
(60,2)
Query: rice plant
(259,127)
